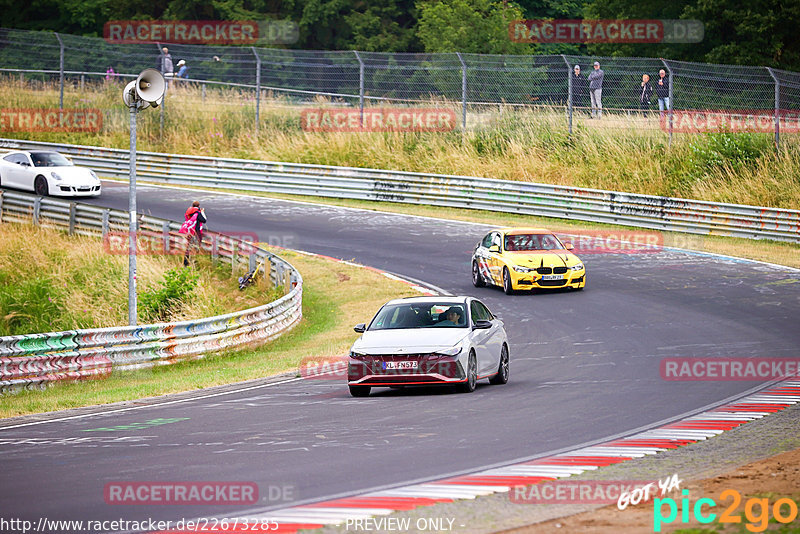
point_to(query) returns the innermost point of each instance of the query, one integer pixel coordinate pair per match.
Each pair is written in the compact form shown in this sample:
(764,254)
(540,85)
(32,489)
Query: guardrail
(32,360)
(575,203)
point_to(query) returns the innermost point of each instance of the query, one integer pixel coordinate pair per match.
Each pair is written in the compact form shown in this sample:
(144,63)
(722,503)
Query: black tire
(360,391)
(502,371)
(40,186)
(477,277)
(472,375)
(507,287)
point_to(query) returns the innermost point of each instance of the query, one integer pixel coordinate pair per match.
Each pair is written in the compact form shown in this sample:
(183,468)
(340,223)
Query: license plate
(552,277)
(399,365)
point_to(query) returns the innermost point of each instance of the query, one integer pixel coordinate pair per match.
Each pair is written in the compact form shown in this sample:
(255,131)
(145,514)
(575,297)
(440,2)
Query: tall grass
(619,152)
(50,282)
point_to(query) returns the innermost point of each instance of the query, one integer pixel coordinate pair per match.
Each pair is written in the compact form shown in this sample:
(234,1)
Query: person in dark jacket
(194,219)
(580,88)
(662,91)
(645,94)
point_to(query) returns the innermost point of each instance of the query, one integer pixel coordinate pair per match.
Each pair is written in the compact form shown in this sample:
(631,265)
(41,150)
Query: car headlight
(578,267)
(55,175)
(521,269)
(452,351)
(357,355)
(94,175)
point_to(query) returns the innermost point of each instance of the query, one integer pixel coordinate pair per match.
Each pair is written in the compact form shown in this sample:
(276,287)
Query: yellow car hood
(542,258)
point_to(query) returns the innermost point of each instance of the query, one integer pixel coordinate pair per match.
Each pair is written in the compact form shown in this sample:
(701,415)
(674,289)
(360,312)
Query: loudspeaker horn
(150,86)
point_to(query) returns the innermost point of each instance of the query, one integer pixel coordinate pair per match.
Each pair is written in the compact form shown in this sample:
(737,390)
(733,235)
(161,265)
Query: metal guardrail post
(253,260)
(670,104)
(777,109)
(360,87)
(72,208)
(60,72)
(37,208)
(569,94)
(234,258)
(166,237)
(463,91)
(1,207)
(106,214)
(258,85)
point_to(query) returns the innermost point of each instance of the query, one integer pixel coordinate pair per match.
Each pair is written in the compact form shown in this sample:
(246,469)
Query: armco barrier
(29,361)
(644,211)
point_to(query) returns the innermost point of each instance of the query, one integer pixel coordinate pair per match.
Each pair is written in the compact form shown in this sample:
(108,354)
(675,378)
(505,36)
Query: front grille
(544,270)
(552,283)
(577,280)
(559,270)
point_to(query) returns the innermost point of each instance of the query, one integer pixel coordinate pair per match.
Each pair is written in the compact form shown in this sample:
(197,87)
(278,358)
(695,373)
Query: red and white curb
(670,436)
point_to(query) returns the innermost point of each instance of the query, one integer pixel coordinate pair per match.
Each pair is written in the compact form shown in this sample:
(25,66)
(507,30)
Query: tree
(472,26)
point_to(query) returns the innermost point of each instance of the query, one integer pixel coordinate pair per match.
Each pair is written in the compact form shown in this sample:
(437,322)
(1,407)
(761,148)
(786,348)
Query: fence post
(463,91)
(166,237)
(1,207)
(777,109)
(670,103)
(360,87)
(60,72)
(164,98)
(569,94)
(82,81)
(258,85)
(203,91)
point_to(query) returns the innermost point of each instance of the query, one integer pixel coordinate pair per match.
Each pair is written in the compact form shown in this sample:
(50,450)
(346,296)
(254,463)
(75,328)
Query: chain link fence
(468,82)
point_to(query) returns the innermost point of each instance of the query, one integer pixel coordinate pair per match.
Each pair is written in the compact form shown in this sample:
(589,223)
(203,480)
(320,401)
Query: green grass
(335,297)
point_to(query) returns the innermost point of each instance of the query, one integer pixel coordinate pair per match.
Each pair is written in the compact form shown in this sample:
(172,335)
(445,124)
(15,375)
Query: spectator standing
(596,90)
(182,70)
(194,219)
(645,94)
(579,88)
(662,91)
(164,64)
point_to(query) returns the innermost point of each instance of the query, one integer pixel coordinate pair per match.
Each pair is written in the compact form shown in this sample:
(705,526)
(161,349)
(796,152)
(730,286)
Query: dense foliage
(761,33)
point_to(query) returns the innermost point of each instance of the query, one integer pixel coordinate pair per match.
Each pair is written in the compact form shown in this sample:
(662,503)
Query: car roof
(524,230)
(432,300)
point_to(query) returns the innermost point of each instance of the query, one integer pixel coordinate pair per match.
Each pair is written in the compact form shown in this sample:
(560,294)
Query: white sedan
(47,173)
(429,341)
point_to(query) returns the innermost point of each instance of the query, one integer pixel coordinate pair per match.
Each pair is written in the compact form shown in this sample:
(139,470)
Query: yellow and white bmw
(526,258)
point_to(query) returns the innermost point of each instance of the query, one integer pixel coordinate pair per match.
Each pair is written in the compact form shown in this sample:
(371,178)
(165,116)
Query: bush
(158,303)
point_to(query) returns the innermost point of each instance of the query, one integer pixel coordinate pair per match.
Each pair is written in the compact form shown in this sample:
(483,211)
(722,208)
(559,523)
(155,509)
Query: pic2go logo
(784,510)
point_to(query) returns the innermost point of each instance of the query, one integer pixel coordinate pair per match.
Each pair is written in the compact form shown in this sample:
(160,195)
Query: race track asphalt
(584,366)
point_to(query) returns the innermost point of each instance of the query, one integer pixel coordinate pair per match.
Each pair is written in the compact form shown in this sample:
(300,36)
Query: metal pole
(569,95)
(777,109)
(132,224)
(463,91)
(60,72)
(360,87)
(163,100)
(258,85)
(669,104)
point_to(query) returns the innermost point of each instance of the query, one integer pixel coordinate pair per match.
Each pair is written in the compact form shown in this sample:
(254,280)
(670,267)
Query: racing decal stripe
(649,442)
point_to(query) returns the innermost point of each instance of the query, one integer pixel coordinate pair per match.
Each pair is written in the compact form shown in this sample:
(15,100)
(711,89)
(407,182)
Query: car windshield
(420,315)
(49,159)
(526,242)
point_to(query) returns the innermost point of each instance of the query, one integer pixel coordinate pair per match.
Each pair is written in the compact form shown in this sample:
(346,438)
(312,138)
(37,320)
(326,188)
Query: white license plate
(399,365)
(552,277)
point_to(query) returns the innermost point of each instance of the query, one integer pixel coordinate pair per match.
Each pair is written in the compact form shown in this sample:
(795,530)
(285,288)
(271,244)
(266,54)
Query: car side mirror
(24,163)
(360,328)
(482,325)
(494,248)
(568,246)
